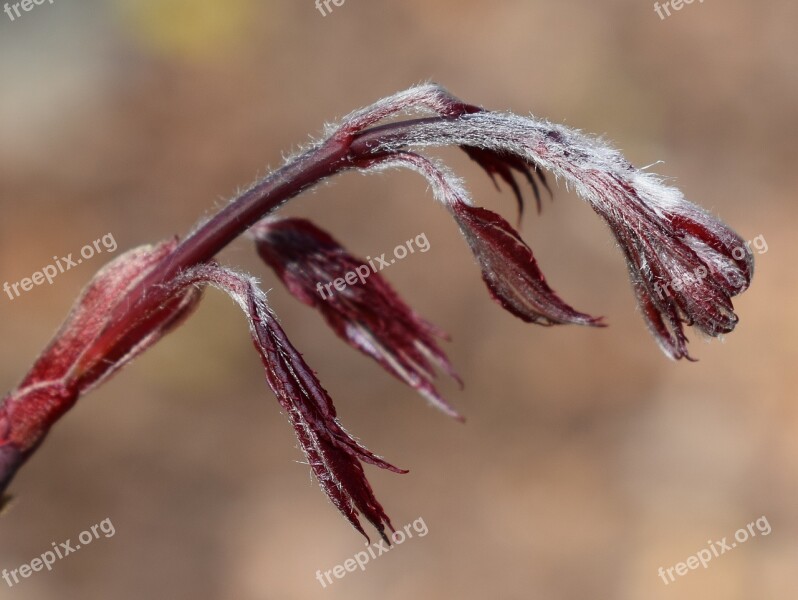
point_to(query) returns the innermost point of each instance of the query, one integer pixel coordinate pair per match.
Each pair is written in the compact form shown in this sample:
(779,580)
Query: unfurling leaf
(367,313)
(332,453)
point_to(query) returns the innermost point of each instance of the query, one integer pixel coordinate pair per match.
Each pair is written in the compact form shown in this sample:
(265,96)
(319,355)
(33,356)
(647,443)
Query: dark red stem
(340,152)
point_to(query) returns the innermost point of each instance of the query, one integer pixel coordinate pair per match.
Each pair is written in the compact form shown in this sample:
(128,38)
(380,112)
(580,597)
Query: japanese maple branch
(143,295)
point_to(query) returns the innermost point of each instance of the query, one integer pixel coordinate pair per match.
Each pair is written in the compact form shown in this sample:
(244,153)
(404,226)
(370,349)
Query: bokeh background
(588,460)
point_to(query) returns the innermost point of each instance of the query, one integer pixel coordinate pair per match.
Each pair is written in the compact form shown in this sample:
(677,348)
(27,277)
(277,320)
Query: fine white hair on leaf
(445,185)
(427,98)
(566,153)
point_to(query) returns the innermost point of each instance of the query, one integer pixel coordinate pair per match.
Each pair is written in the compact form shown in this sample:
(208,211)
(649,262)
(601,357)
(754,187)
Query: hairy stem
(344,150)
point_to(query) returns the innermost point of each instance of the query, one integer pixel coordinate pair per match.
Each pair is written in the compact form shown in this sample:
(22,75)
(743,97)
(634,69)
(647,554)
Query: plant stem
(340,152)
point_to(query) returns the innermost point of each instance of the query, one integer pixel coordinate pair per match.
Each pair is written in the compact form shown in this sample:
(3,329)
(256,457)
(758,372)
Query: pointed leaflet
(367,313)
(333,454)
(510,270)
(508,267)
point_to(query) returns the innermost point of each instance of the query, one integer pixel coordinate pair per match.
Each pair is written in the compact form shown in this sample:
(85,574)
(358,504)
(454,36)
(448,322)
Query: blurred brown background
(588,459)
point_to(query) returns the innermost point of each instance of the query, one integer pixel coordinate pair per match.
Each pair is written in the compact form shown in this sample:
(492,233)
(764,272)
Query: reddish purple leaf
(682,265)
(367,314)
(503,165)
(511,271)
(332,453)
